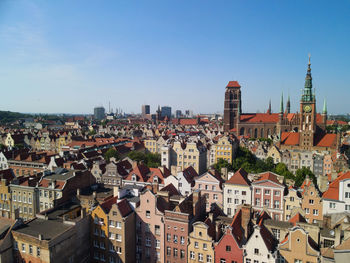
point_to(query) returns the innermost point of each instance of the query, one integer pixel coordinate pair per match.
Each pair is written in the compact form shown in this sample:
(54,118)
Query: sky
(70,56)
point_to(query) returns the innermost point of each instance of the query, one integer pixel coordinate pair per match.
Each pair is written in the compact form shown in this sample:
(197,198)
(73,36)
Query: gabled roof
(267,176)
(239,178)
(171,189)
(259,118)
(333,189)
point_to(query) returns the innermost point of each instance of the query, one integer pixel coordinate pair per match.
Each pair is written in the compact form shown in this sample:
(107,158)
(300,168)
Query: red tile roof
(333,189)
(233,84)
(259,117)
(290,138)
(124,207)
(326,140)
(268,176)
(239,177)
(297,218)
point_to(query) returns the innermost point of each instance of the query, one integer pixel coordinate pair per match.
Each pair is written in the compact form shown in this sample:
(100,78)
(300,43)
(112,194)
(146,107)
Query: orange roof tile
(333,189)
(290,138)
(233,84)
(259,117)
(239,177)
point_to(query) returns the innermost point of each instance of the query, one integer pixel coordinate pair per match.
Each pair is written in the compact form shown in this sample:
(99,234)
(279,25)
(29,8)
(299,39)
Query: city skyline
(179,55)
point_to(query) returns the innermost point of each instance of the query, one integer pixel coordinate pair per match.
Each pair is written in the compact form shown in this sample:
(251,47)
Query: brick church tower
(232,107)
(307,113)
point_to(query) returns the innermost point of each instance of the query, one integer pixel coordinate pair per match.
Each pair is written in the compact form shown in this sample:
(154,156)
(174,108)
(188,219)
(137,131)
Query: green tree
(222,164)
(111,152)
(301,174)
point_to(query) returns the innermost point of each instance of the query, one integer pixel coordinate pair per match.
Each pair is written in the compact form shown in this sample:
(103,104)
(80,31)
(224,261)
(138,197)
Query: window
(267,202)
(148,242)
(257,191)
(256,251)
(247,260)
(215,197)
(23,247)
(200,257)
(148,214)
(222,260)
(276,204)
(229,200)
(236,192)
(182,240)
(182,253)
(236,201)
(102,245)
(332,205)
(307,211)
(267,192)
(157,229)
(229,211)
(277,193)
(244,193)
(192,255)
(168,237)
(315,212)
(168,251)
(175,252)
(16,245)
(228,248)
(347,194)
(205,246)
(196,244)
(157,243)
(175,239)
(257,201)
(311,201)
(209,258)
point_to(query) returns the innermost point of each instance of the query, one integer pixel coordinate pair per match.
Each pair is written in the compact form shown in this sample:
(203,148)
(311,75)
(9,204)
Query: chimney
(246,213)
(155,188)
(224,172)
(116,191)
(327,221)
(196,202)
(40,237)
(337,238)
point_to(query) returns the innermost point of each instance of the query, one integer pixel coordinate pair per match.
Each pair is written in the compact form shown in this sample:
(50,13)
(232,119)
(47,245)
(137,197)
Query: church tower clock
(307,113)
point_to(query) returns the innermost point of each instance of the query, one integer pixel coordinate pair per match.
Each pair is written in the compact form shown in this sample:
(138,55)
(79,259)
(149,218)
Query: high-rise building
(99,113)
(166,111)
(145,110)
(178,113)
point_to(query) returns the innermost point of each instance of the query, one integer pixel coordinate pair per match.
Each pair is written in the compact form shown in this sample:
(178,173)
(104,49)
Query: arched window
(250,132)
(262,133)
(268,132)
(255,133)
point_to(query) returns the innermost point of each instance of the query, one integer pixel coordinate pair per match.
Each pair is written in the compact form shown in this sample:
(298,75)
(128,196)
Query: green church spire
(307,92)
(324,107)
(281,106)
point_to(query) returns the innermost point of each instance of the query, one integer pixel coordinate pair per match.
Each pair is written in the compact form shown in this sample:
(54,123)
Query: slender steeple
(324,107)
(307,92)
(288,105)
(281,105)
(269,109)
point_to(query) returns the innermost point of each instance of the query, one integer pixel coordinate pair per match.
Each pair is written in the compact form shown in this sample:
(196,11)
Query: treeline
(9,116)
(248,161)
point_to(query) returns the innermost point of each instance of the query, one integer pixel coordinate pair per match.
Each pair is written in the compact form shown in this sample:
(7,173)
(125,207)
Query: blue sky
(69,56)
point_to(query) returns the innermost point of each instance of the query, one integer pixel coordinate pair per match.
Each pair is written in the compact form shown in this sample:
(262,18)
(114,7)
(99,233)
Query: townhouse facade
(268,193)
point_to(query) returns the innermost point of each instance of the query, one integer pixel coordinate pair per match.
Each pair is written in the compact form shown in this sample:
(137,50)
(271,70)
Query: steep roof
(268,176)
(259,117)
(239,178)
(333,189)
(290,138)
(297,218)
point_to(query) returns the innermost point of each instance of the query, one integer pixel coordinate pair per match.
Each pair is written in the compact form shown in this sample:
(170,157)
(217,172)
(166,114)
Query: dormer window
(155,179)
(134,178)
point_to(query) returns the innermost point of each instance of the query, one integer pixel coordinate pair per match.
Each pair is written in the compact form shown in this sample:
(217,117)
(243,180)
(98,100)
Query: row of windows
(29,250)
(267,192)
(200,257)
(175,252)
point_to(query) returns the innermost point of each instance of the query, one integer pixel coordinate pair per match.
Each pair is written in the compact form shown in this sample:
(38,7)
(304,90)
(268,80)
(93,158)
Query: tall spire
(307,92)
(281,106)
(288,105)
(324,107)
(269,109)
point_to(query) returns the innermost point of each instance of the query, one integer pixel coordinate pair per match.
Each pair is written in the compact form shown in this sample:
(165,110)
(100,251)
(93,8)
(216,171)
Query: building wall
(291,200)
(233,196)
(205,248)
(312,205)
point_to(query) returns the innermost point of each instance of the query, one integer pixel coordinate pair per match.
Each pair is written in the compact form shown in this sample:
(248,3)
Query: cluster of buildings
(64,199)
